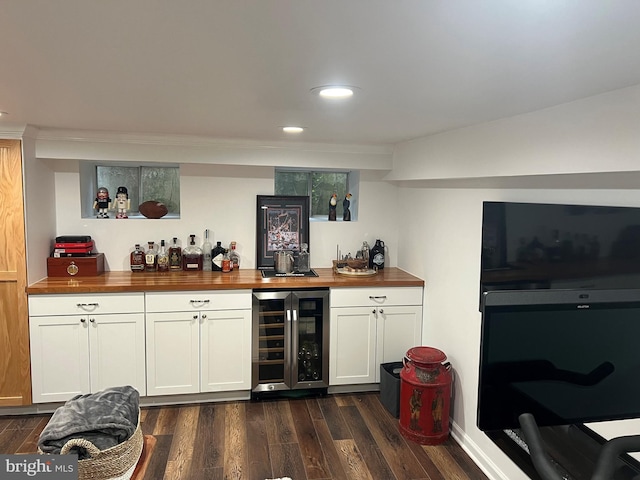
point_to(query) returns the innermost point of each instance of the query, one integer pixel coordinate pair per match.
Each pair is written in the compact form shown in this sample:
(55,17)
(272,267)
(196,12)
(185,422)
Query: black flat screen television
(531,246)
(565,356)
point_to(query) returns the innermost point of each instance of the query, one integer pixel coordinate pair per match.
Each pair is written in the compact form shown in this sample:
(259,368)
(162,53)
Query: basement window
(319,186)
(143,183)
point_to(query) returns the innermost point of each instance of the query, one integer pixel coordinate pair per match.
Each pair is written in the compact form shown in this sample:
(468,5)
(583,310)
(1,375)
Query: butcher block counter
(112,282)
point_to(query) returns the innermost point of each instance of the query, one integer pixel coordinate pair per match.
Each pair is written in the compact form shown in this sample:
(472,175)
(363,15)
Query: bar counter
(112,282)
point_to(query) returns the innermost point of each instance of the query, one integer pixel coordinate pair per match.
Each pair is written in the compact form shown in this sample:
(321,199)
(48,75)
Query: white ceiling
(239,69)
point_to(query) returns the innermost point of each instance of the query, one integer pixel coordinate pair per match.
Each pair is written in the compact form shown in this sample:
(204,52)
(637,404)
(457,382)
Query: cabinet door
(59,357)
(173,353)
(225,338)
(15,384)
(117,351)
(352,357)
(399,329)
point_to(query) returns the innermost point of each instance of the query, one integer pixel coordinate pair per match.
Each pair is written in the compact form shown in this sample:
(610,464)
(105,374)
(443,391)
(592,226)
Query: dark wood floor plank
(343,400)
(208,474)
(181,454)
(331,412)
(460,456)
(166,422)
(331,454)
(364,440)
(236,460)
(286,461)
(158,461)
(257,442)
(384,429)
(208,449)
(352,460)
(314,409)
(445,462)
(280,428)
(312,456)
(10,440)
(28,422)
(426,462)
(4,421)
(30,444)
(148,421)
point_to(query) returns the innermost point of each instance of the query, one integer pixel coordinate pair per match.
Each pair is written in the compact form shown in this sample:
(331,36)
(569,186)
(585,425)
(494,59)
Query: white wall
(222,198)
(597,134)
(444,232)
(441,227)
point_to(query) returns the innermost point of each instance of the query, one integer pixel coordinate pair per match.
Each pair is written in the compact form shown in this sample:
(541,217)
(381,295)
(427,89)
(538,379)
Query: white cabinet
(198,341)
(86,343)
(370,326)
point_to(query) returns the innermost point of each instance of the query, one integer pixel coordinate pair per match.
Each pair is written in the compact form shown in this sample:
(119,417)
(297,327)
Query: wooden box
(76,266)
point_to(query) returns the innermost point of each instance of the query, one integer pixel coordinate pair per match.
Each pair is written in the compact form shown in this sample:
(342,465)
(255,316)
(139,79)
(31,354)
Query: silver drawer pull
(81,305)
(198,301)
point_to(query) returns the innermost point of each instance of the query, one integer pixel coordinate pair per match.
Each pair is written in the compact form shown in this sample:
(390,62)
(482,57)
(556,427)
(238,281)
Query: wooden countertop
(110,282)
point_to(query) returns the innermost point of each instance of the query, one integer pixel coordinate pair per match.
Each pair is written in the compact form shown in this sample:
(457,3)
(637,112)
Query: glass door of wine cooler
(290,340)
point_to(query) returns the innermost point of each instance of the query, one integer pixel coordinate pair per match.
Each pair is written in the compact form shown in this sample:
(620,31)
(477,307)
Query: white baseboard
(485,464)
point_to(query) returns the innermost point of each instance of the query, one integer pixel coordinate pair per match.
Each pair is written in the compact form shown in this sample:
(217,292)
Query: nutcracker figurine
(102,203)
(123,204)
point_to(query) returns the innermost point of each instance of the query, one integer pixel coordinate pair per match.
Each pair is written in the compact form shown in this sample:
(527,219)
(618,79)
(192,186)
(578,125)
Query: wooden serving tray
(369,272)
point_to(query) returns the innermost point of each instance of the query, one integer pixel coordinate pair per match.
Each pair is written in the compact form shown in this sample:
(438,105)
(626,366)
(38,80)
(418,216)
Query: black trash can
(390,387)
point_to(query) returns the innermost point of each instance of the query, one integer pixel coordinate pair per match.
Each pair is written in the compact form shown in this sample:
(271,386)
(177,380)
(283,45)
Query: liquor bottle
(303,259)
(137,259)
(175,256)
(216,257)
(192,256)
(365,252)
(206,252)
(151,258)
(234,256)
(163,258)
(376,256)
(226,262)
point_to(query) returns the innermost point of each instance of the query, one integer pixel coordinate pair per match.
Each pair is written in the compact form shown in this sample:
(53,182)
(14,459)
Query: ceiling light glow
(334,91)
(292,129)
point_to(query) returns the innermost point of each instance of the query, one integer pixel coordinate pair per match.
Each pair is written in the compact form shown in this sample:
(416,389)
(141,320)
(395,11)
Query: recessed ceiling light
(334,91)
(292,129)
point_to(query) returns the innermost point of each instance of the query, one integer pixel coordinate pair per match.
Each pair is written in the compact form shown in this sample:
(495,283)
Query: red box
(76,266)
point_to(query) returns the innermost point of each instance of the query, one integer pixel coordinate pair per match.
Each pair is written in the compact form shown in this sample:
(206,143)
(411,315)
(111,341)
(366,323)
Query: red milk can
(425,396)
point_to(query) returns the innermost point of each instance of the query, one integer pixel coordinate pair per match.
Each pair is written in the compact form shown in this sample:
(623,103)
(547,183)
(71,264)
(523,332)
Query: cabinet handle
(81,305)
(381,311)
(373,311)
(204,315)
(195,317)
(92,320)
(377,297)
(198,301)
(288,315)
(83,320)
(295,315)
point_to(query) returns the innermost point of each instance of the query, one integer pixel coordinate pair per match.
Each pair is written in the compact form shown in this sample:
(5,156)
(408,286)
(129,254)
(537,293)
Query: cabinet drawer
(356,297)
(197,301)
(86,303)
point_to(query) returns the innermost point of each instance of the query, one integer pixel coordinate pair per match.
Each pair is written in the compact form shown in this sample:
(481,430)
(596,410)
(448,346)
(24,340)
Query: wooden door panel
(15,381)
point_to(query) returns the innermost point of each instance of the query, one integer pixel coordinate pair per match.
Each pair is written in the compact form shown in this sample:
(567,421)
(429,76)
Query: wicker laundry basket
(115,463)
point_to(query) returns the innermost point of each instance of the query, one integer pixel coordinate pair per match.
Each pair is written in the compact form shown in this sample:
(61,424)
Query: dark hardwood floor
(338,437)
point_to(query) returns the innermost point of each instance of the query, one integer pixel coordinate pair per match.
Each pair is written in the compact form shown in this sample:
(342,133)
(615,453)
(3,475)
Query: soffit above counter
(124,147)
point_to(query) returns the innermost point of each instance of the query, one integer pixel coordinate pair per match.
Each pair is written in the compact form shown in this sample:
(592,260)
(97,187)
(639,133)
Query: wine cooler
(290,340)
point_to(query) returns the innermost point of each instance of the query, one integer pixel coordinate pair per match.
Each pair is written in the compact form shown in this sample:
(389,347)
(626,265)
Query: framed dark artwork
(282,224)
